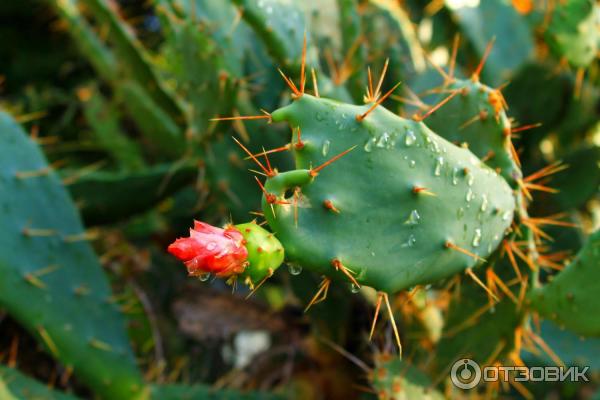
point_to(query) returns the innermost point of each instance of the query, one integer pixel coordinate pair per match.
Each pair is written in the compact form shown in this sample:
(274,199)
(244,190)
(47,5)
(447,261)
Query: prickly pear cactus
(394,379)
(401,206)
(573,31)
(569,298)
(383,19)
(482,21)
(246,250)
(373,200)
(280,24)
(51,280)
(475,117)
(15,386)
(265,253)
(105,197)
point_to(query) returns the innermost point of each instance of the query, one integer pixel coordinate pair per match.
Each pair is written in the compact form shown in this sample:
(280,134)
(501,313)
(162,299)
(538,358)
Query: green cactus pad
(382,20)
(105,196)
(216,19)
(16,386)
(265,253)
(483,21)
(133,58)
(476,117)
(581,181)
(351,30)
(571,349)
(104,119)
(573,31)
(394,379)
(279,24)
(50,278)
(382,227)
(570,298)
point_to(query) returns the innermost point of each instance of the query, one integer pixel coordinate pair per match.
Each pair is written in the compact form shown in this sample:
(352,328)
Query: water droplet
(469,195)
(470,179)
(413,218)
(354,288)
(294,269)
(409,138)
(203,277)
(412,163)
(455,173)
(369,145)
(460,212)
(211,246)
(383,140)
(439,162)
(325,148)
(506,215)
(484,202)
(320,116)
(477,238)
(410,242)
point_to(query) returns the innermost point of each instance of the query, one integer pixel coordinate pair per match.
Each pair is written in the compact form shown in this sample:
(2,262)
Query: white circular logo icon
(465,373)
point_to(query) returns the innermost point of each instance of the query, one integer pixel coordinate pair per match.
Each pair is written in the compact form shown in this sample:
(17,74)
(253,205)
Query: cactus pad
(573,31)
(476,117)
(394,379)
(15,386)
(265,253)
(391,211)
(570,298)
(50,279)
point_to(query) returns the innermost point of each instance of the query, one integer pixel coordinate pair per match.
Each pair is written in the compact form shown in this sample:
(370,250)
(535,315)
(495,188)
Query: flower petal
(207,228)
(211,249)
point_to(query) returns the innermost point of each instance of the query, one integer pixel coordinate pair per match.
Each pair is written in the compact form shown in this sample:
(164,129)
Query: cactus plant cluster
(415,162)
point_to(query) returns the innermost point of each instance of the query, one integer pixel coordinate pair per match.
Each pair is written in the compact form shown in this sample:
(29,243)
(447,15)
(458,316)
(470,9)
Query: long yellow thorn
(419,118)
(394,327)
(269,274)
(321,294)
(315,83)
(303,67)
(381,77)
(478,281)
(486,53)
(374,106)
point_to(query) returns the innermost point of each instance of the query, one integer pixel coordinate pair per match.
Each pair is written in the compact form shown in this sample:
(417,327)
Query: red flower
(211,250)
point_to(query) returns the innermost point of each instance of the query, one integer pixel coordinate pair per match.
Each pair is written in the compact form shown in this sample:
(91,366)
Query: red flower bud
(211,250)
